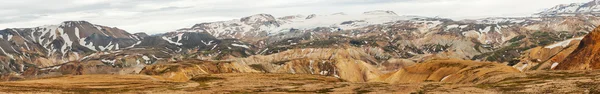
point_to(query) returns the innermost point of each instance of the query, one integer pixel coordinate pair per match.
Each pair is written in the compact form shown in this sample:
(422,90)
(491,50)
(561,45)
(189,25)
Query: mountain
(547,57)
(262,25)
(370,48)
(387,36)
(199,44)
(417,38)
(352,65)
(590,8)
(52,45)
(585,57)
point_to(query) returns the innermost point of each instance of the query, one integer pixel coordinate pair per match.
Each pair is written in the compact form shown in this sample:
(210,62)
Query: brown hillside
(586,56)
(454,71)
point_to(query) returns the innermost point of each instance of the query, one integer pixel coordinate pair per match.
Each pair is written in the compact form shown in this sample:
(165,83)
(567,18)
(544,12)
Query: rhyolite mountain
(51,45)
(585,56)
(380,40)
(413,38)
(374,46)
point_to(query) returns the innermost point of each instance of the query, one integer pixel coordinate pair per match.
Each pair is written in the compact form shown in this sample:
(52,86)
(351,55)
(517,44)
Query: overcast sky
(158,16)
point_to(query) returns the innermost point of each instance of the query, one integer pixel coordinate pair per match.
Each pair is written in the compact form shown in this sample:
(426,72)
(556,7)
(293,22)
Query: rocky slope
(547,57)
(48,48)
(585,57)
(52,45)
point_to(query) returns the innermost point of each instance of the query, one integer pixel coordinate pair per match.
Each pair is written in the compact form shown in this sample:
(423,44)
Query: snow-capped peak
(259,18)
(591,8)
(266,25)
(380,12)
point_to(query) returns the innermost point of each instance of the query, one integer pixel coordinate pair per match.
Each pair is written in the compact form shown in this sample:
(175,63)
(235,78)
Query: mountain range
(375,46)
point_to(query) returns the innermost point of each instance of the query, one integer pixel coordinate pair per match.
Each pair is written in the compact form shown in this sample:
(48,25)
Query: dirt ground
(531,82)
(538,82)
(208,84)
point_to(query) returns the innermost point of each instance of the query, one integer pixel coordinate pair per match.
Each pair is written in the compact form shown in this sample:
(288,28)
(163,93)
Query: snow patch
(9,37)
(109,61)
(563,43)
(172,42)
(451,27)
(77,32)
(138,43)
(145,58)
(9,55)
(486,29)
(554,65)
(444,78)
(240,45)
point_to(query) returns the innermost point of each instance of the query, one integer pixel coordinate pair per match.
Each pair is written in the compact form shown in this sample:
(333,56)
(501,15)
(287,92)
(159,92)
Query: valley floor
(530,82)
(210,84)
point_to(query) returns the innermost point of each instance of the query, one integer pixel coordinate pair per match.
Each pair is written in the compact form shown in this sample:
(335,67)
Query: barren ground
(531,82)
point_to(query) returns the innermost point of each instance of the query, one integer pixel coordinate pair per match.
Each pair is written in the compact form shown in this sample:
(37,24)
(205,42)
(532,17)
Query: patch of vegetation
(512,52)
(558,75)
(363,91)
(513,62)
(77,90)
(587,84)
(366,41)
(203,80)
(436,47)
(477,44)
(427,88)
(451,65)
(258,67)
(300,79)
(517,38)
(515,84)
(281,62)
(536,66)
(505,54)
(356,43)
(418,92)
(275,48)
(323,90)
(169,69)
(545,38)
(592,87)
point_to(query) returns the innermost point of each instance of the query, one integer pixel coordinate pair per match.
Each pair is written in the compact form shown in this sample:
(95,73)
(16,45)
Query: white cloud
(157,16)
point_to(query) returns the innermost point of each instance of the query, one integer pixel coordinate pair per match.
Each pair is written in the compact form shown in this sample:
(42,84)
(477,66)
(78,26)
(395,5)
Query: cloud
(157,16)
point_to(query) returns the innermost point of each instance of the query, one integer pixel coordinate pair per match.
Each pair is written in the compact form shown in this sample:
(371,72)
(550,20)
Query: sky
(159,16)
